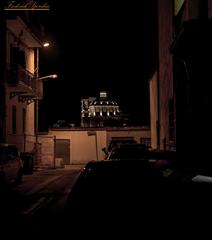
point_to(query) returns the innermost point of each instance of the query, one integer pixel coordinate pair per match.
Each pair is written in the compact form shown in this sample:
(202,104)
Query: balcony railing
(25,82)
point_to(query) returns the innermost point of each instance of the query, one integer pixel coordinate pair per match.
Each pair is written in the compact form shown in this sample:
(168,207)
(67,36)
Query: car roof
(129,151)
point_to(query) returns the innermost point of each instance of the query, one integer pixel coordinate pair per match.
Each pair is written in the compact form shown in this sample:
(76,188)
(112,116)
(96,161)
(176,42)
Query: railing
(20,76)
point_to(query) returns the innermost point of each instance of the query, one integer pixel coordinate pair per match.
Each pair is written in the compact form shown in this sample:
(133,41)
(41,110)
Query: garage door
(63,150)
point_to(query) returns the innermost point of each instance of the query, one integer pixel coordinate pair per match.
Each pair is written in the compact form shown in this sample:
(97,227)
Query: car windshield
(128,152)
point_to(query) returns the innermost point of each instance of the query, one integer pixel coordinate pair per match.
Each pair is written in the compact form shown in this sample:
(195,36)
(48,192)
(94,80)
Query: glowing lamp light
(54,76)
(46,44)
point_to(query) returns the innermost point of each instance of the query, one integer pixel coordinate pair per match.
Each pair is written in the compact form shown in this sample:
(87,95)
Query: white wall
(30,119)
(29,52)
(47,150)
(83,143)
(83,147)
(24,140)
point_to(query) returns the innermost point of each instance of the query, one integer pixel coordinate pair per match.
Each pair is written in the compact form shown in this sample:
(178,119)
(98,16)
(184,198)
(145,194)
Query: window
(13,119)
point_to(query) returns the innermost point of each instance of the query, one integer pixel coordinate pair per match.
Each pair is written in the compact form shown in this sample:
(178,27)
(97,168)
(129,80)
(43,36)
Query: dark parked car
(10,164)
(129,151)
(108,194)
(114,143)
(134,197)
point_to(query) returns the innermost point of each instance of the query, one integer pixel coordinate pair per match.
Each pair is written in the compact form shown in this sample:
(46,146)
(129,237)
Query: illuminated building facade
(99,112)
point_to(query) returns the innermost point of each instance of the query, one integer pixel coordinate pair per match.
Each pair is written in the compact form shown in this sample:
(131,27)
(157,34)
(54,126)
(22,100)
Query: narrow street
(36,206)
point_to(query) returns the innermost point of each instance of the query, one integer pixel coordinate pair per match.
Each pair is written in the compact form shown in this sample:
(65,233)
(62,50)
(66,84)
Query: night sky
(101,46)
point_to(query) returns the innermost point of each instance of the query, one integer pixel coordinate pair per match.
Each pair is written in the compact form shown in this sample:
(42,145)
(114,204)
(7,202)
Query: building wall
(28,134)
(30,118)
(29,53)
(23,139)
(46,150)
(165,69)
(209,8)
(83,142)
(194,9)
(153,88)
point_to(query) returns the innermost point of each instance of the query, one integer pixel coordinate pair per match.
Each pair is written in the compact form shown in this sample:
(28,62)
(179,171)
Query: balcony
(24,84)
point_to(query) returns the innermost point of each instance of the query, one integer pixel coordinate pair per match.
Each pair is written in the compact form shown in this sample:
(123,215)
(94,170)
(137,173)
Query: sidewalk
(42,176)
(66,167)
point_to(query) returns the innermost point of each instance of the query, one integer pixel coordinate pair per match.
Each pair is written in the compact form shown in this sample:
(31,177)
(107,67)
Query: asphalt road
(35,208)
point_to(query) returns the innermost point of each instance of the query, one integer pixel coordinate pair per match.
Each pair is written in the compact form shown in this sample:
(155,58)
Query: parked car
(133,197)
(108,194)
(11,167)
(129,151)
(114,143)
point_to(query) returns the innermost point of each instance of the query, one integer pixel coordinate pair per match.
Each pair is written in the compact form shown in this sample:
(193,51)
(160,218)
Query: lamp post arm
(49,76)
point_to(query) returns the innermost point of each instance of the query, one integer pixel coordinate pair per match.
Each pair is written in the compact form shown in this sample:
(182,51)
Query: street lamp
(46,44)
(49,76)
(36,102)
(36,112)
